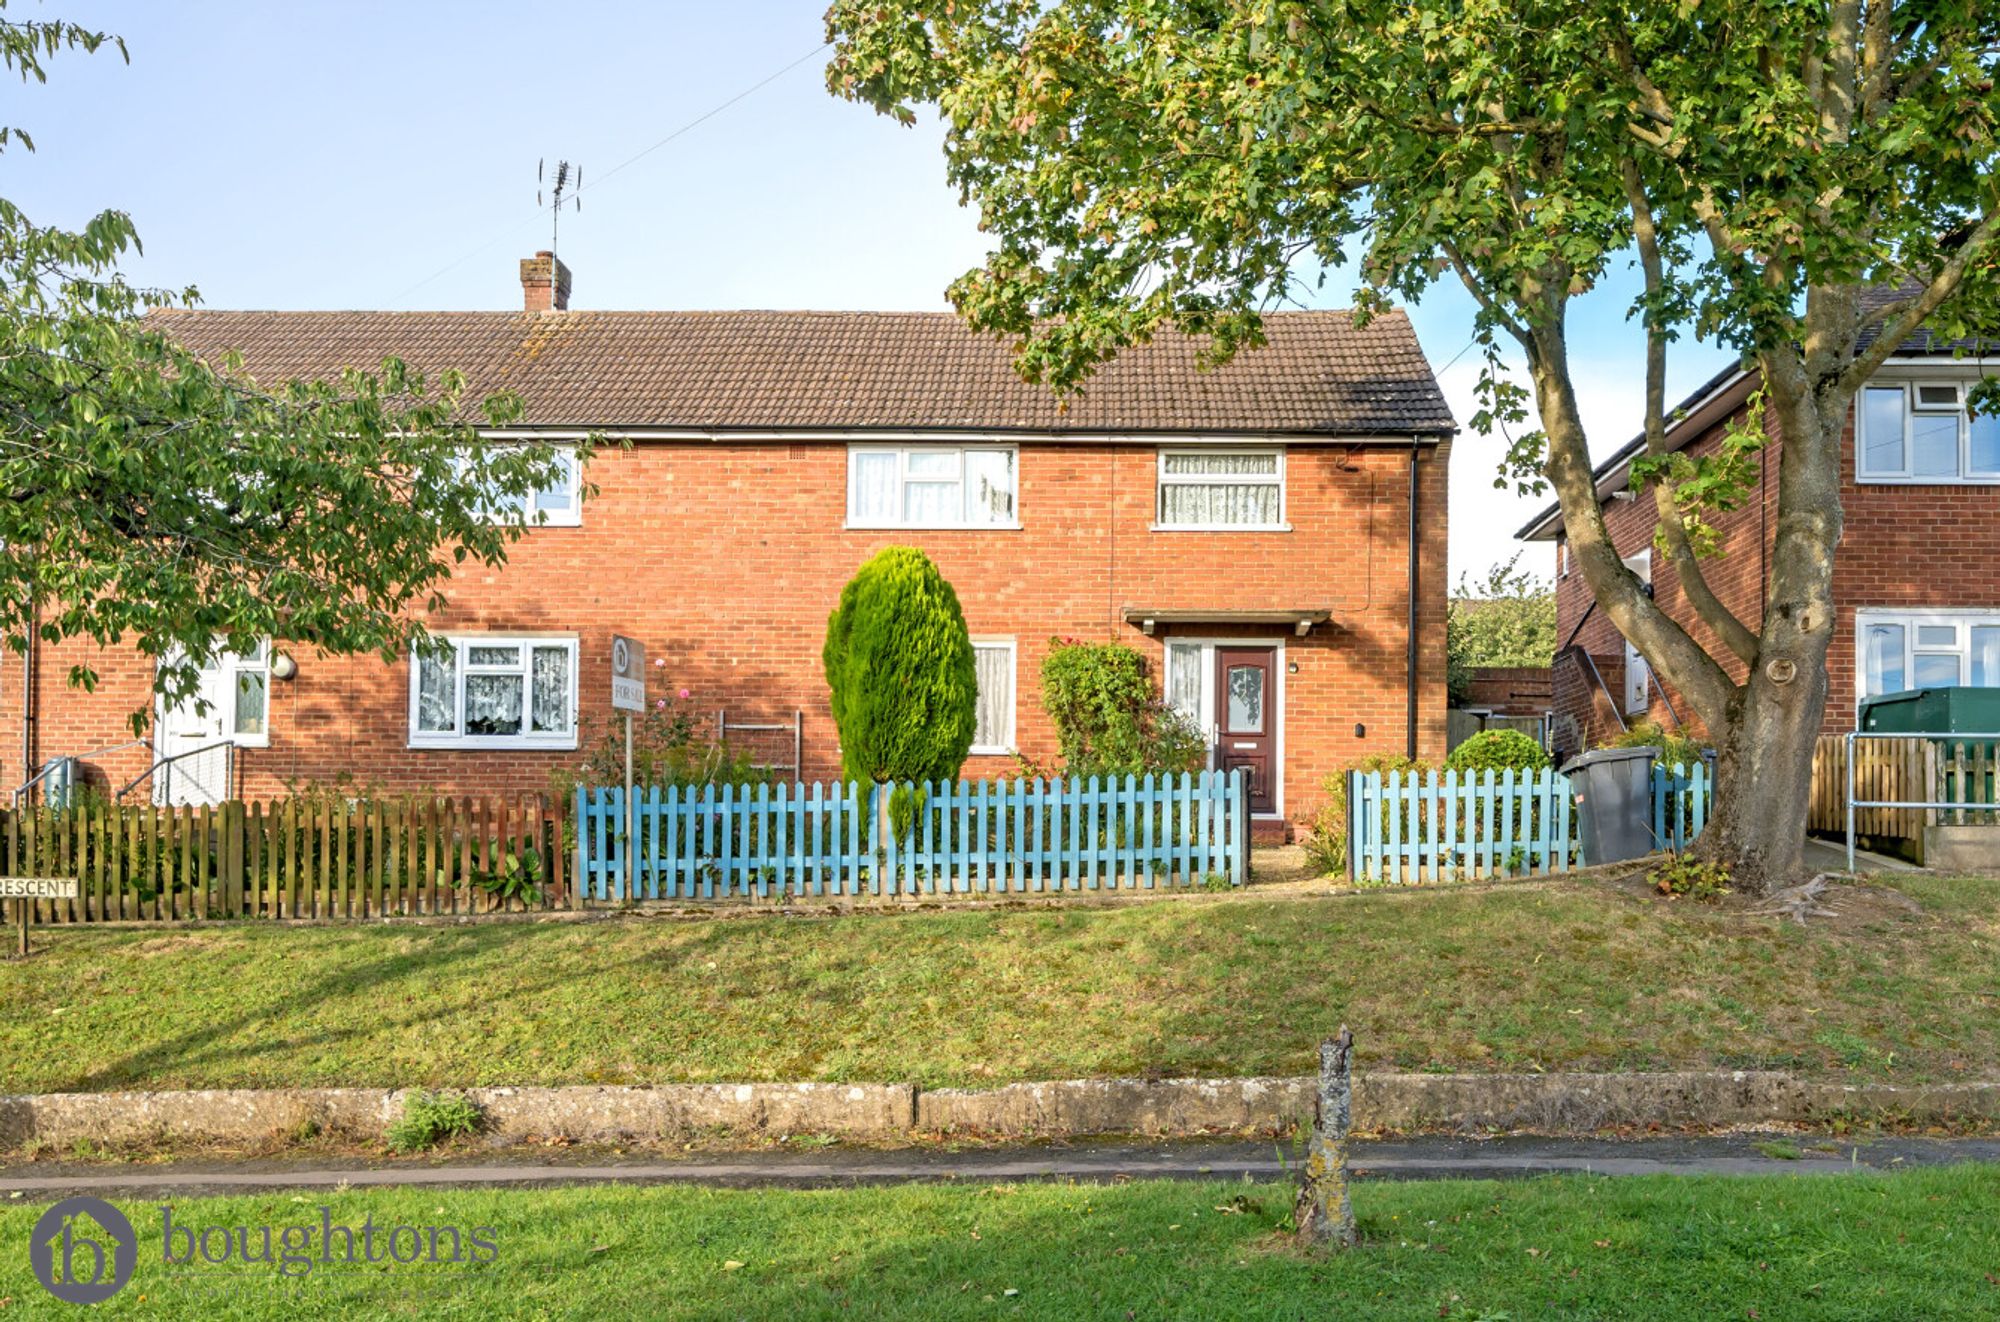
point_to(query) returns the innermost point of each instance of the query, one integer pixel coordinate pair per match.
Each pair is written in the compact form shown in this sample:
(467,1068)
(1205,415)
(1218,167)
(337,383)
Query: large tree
(157,500)
(1765,162)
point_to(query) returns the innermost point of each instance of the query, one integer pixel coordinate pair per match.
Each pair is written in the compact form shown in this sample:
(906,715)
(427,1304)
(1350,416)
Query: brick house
(1916,582)
(1250,528)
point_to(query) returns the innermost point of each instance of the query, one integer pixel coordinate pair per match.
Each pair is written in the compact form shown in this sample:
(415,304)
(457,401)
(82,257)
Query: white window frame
(1910,617)
(903,451)
(420,738)
(1904,476)
(530,516)
(1163,479)
(1008,744)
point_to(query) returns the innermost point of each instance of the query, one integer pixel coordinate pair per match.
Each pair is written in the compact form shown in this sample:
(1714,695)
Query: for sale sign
(628,674)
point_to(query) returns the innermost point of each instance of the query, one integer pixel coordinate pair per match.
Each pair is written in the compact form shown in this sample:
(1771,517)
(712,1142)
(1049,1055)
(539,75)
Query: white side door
(1638,675)
(194,740)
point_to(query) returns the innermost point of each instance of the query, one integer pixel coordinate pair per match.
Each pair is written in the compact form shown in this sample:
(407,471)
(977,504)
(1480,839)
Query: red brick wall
(1509,690)
(1902,546)
(725,560)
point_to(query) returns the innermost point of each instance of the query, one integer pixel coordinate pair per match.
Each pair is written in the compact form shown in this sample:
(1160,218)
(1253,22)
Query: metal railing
(794,727)
(1948,736)
(167,785)
(55,762)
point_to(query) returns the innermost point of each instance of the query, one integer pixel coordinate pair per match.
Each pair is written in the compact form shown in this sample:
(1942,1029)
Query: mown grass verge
(1545,976)
(1913,1245)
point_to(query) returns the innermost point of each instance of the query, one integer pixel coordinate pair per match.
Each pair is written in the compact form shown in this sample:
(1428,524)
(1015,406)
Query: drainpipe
(1410,657)
(28,691)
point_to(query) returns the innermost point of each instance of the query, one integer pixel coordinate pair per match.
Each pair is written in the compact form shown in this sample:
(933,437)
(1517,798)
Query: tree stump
(1325,1213)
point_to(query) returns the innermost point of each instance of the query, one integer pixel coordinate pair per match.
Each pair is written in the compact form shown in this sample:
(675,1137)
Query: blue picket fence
(1458,825)
(713,842)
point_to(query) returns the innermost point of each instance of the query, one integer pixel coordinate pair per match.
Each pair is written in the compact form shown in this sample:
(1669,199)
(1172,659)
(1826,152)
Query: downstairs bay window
(479,691)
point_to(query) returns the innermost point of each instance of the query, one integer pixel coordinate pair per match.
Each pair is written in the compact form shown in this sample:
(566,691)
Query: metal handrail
(60,758)
(228,774)
(1950,736)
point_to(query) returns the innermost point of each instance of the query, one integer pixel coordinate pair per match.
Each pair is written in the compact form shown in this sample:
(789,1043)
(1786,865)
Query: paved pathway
(1405,1159)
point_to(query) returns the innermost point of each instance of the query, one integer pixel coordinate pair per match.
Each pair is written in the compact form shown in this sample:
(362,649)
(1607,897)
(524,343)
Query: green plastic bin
(1934,711)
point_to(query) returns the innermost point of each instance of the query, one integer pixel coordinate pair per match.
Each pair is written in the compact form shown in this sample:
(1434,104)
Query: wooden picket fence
(711,842)
(1462,825)
(1915,769)
(318,858)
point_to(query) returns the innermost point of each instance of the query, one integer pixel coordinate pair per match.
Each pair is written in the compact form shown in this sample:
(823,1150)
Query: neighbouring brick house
(1916,582)
(1249,528)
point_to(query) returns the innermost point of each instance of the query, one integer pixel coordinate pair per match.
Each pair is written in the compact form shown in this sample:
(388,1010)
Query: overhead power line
(598,180)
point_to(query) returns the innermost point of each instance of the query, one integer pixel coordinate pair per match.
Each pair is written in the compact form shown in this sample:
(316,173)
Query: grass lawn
(1550,976)
(1915,1245)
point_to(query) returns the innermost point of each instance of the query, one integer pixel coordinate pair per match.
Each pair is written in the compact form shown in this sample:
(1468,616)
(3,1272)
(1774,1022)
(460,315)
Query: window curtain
(1184,680)
(1189,503)
(492,704)
(437,693)
(876,498)
(550,699)
(995,670)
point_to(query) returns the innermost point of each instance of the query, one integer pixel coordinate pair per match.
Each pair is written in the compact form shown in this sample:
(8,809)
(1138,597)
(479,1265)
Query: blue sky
(381,155)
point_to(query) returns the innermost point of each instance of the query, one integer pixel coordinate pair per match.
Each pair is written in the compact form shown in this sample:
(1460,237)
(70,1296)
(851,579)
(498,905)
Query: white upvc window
(484,691)
(931,486)
(1898,650)
(1234,489)
(557,505)
(1919,432)
(995,662)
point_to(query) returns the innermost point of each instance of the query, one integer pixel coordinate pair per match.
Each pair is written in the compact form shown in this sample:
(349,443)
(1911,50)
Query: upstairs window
(486,692)
(898,486)
(560,504)
(1919,432)
(1233,489)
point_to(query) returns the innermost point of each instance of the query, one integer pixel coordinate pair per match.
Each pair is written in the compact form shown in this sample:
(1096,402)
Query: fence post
(1239,825)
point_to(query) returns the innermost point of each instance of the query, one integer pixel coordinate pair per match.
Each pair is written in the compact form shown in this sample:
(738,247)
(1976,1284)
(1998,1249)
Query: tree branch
(1673,532)
(1906,323)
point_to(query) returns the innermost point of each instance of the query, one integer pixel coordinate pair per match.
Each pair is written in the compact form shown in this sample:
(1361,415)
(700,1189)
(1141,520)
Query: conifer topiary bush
(900,671)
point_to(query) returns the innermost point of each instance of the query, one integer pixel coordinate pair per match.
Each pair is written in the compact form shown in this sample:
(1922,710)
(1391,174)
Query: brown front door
(1246,711)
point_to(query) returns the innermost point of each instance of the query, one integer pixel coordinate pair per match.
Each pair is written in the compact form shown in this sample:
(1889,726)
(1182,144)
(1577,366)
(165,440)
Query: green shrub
(1674,748)
(1498,750)
(1108,716)
(1326,847)
(900,672)
(431,1118)
(1684,877)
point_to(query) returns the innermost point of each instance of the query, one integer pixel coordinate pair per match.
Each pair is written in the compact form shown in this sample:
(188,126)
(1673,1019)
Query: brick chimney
(544,283)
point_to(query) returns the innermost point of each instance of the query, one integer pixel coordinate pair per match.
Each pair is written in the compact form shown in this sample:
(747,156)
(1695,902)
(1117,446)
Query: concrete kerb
(1398,1103)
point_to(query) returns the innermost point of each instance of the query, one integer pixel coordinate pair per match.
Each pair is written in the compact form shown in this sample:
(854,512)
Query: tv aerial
(568,186)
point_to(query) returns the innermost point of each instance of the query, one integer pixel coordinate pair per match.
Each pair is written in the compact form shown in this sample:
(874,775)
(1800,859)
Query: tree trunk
(1325,1211)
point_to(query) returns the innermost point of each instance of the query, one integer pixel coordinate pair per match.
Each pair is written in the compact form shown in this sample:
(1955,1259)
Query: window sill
(991,752)
(851,526)
(251,740)
(553,521)
(495,743)
(1984,480)
(1219,527)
